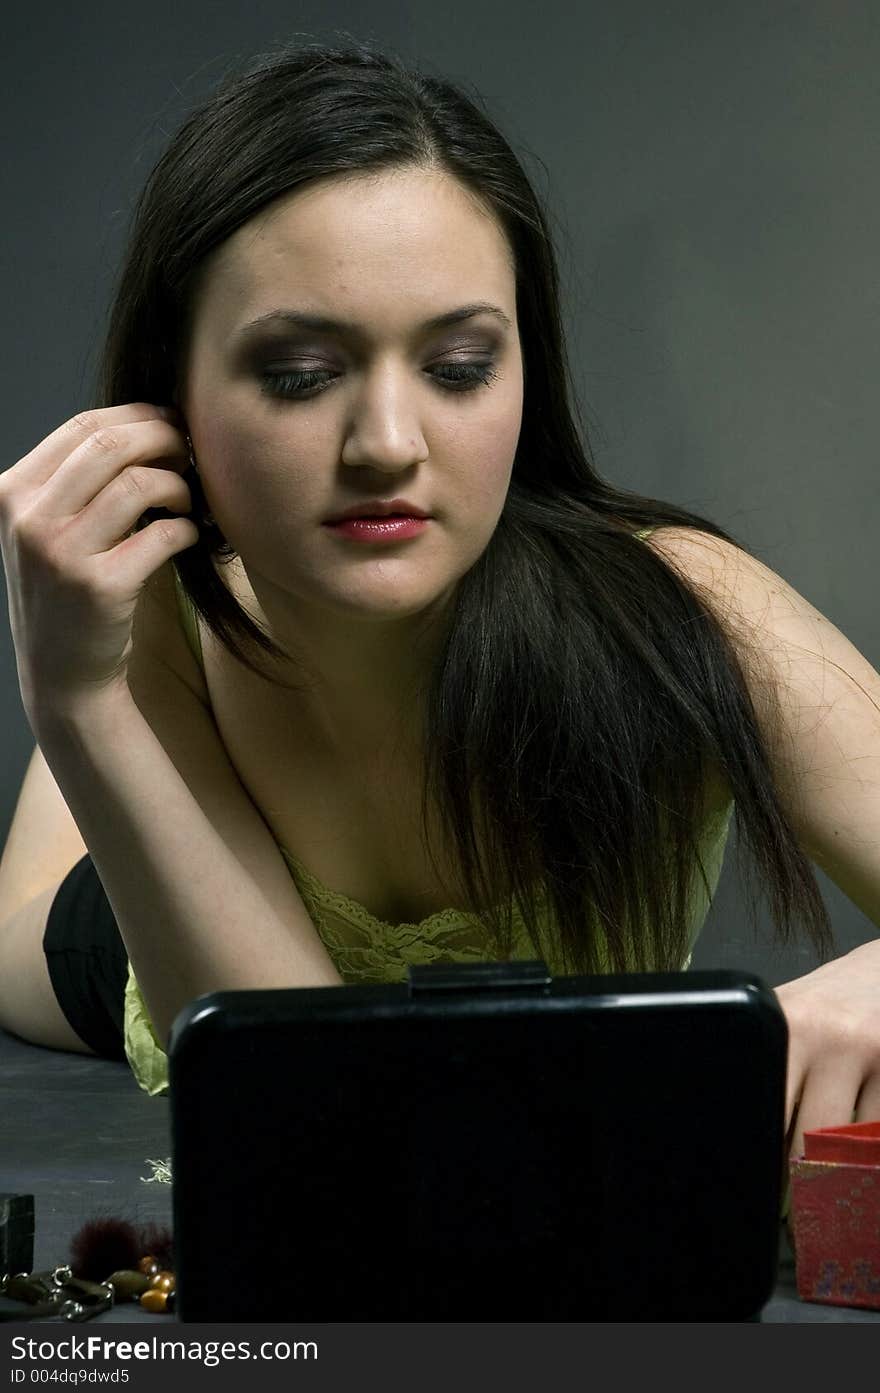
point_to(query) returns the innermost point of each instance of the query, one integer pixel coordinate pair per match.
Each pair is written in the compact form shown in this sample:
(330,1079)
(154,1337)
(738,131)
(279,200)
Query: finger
(795,1065)
(111,517)
(126,567)
(828,1099)
(868,1105)
(794,1084)
(44,459)
(102,457)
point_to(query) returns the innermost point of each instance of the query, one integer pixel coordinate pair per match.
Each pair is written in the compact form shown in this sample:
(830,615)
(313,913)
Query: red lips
(377,508)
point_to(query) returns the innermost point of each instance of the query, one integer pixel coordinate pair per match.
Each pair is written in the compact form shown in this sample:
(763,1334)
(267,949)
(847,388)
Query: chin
(375,603)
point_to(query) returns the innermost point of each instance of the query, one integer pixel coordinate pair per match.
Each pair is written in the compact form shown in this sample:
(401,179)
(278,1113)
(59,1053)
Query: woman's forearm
(191,918)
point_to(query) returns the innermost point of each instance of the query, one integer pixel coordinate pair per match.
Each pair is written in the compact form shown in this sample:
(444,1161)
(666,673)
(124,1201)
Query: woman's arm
(179,857)
(825,752)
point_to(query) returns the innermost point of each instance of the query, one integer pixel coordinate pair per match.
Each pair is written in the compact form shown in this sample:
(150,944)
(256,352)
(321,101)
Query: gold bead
(163,1281)
(154,1300)
(148,1265)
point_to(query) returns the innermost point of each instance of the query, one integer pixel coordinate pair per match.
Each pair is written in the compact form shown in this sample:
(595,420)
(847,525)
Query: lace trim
(368,949)
(360,915)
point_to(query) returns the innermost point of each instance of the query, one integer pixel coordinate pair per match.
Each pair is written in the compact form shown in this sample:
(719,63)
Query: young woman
(275,749)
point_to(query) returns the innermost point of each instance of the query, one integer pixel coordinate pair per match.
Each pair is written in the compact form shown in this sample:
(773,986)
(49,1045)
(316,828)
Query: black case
(480,1143)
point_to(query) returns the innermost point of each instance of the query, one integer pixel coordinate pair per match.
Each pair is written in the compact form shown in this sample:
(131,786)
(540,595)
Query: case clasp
(477,977)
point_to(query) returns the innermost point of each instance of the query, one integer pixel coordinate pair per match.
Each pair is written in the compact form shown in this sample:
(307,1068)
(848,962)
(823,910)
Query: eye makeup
(304,382)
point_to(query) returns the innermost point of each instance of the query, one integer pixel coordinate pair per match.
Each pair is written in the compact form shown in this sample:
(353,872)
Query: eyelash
(298,384)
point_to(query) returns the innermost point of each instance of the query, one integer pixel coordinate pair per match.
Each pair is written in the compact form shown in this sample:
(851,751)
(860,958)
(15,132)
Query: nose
(385,430)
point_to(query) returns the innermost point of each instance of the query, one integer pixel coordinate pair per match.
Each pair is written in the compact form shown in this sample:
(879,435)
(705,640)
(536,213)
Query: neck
(363,678)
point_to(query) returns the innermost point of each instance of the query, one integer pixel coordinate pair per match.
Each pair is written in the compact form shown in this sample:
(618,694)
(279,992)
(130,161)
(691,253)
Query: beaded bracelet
(57,1292)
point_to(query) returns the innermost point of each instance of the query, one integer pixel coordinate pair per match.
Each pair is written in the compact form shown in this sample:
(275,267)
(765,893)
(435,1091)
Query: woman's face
(292,423)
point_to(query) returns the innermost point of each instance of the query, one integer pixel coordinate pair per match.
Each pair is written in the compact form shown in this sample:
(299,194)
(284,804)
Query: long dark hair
(587,698)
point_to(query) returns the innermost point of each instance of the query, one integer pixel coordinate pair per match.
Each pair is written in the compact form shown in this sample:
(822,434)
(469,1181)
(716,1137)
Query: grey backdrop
(711,171)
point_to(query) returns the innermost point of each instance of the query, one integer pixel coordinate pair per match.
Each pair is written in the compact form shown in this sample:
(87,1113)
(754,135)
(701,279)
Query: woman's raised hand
(74,566)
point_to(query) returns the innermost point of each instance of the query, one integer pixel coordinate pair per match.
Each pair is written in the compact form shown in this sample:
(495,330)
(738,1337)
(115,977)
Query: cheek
(487,454)
(255,485)
(247,465)
(224,442)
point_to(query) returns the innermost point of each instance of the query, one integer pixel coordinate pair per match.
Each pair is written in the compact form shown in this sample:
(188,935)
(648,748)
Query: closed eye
(461,377)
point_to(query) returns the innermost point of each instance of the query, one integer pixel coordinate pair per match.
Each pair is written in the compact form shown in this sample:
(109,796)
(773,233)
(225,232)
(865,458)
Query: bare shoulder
(711,563)
(756,606)
(159,641)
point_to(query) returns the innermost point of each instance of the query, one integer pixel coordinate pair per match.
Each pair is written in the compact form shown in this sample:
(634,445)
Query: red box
(835,1211)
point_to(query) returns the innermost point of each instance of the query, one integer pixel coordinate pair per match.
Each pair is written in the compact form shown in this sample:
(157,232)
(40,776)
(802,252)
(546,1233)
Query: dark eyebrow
(321,324)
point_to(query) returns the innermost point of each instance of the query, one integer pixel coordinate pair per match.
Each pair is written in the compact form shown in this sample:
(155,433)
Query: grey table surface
(78,1134)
